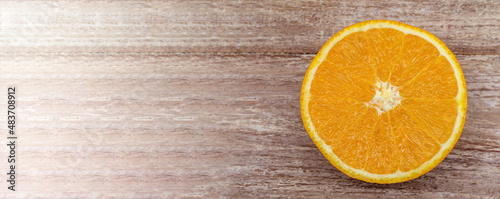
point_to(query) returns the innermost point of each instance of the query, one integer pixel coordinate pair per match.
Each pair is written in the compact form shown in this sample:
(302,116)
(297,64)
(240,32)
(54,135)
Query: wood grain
(466,26)
(200,99)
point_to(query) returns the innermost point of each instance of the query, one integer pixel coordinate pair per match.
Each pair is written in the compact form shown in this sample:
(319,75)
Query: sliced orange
(384,101)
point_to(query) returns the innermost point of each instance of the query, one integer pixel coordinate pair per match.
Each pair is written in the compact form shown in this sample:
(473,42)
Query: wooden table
(188,99)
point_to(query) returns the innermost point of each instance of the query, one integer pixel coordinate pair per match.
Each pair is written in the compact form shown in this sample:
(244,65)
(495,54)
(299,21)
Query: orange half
(384,101)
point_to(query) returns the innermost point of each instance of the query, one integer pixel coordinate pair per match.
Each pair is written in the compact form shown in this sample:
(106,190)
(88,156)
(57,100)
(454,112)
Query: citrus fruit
(384,101)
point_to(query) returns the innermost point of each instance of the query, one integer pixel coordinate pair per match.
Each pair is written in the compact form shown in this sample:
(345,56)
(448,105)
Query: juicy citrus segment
(383,155)
(385,47)
(384,102)
(351,146)
(438,79)
(349,56)
(417,53)
(415,145)
(331,126)
(345,87)
(436,117)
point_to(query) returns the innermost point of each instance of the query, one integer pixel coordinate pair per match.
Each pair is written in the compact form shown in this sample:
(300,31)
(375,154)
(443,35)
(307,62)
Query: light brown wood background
(200,99)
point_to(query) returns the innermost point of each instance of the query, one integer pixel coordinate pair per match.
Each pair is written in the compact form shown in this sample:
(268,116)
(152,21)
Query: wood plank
(157,125)
(289,26)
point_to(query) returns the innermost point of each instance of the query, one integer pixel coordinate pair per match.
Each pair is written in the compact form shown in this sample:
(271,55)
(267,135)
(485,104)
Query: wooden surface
(200,99)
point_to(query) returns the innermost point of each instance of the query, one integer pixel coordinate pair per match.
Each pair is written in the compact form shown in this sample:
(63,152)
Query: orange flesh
(404,134)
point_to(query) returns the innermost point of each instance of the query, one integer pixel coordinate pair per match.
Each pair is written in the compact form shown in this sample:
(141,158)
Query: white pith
(386,97)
